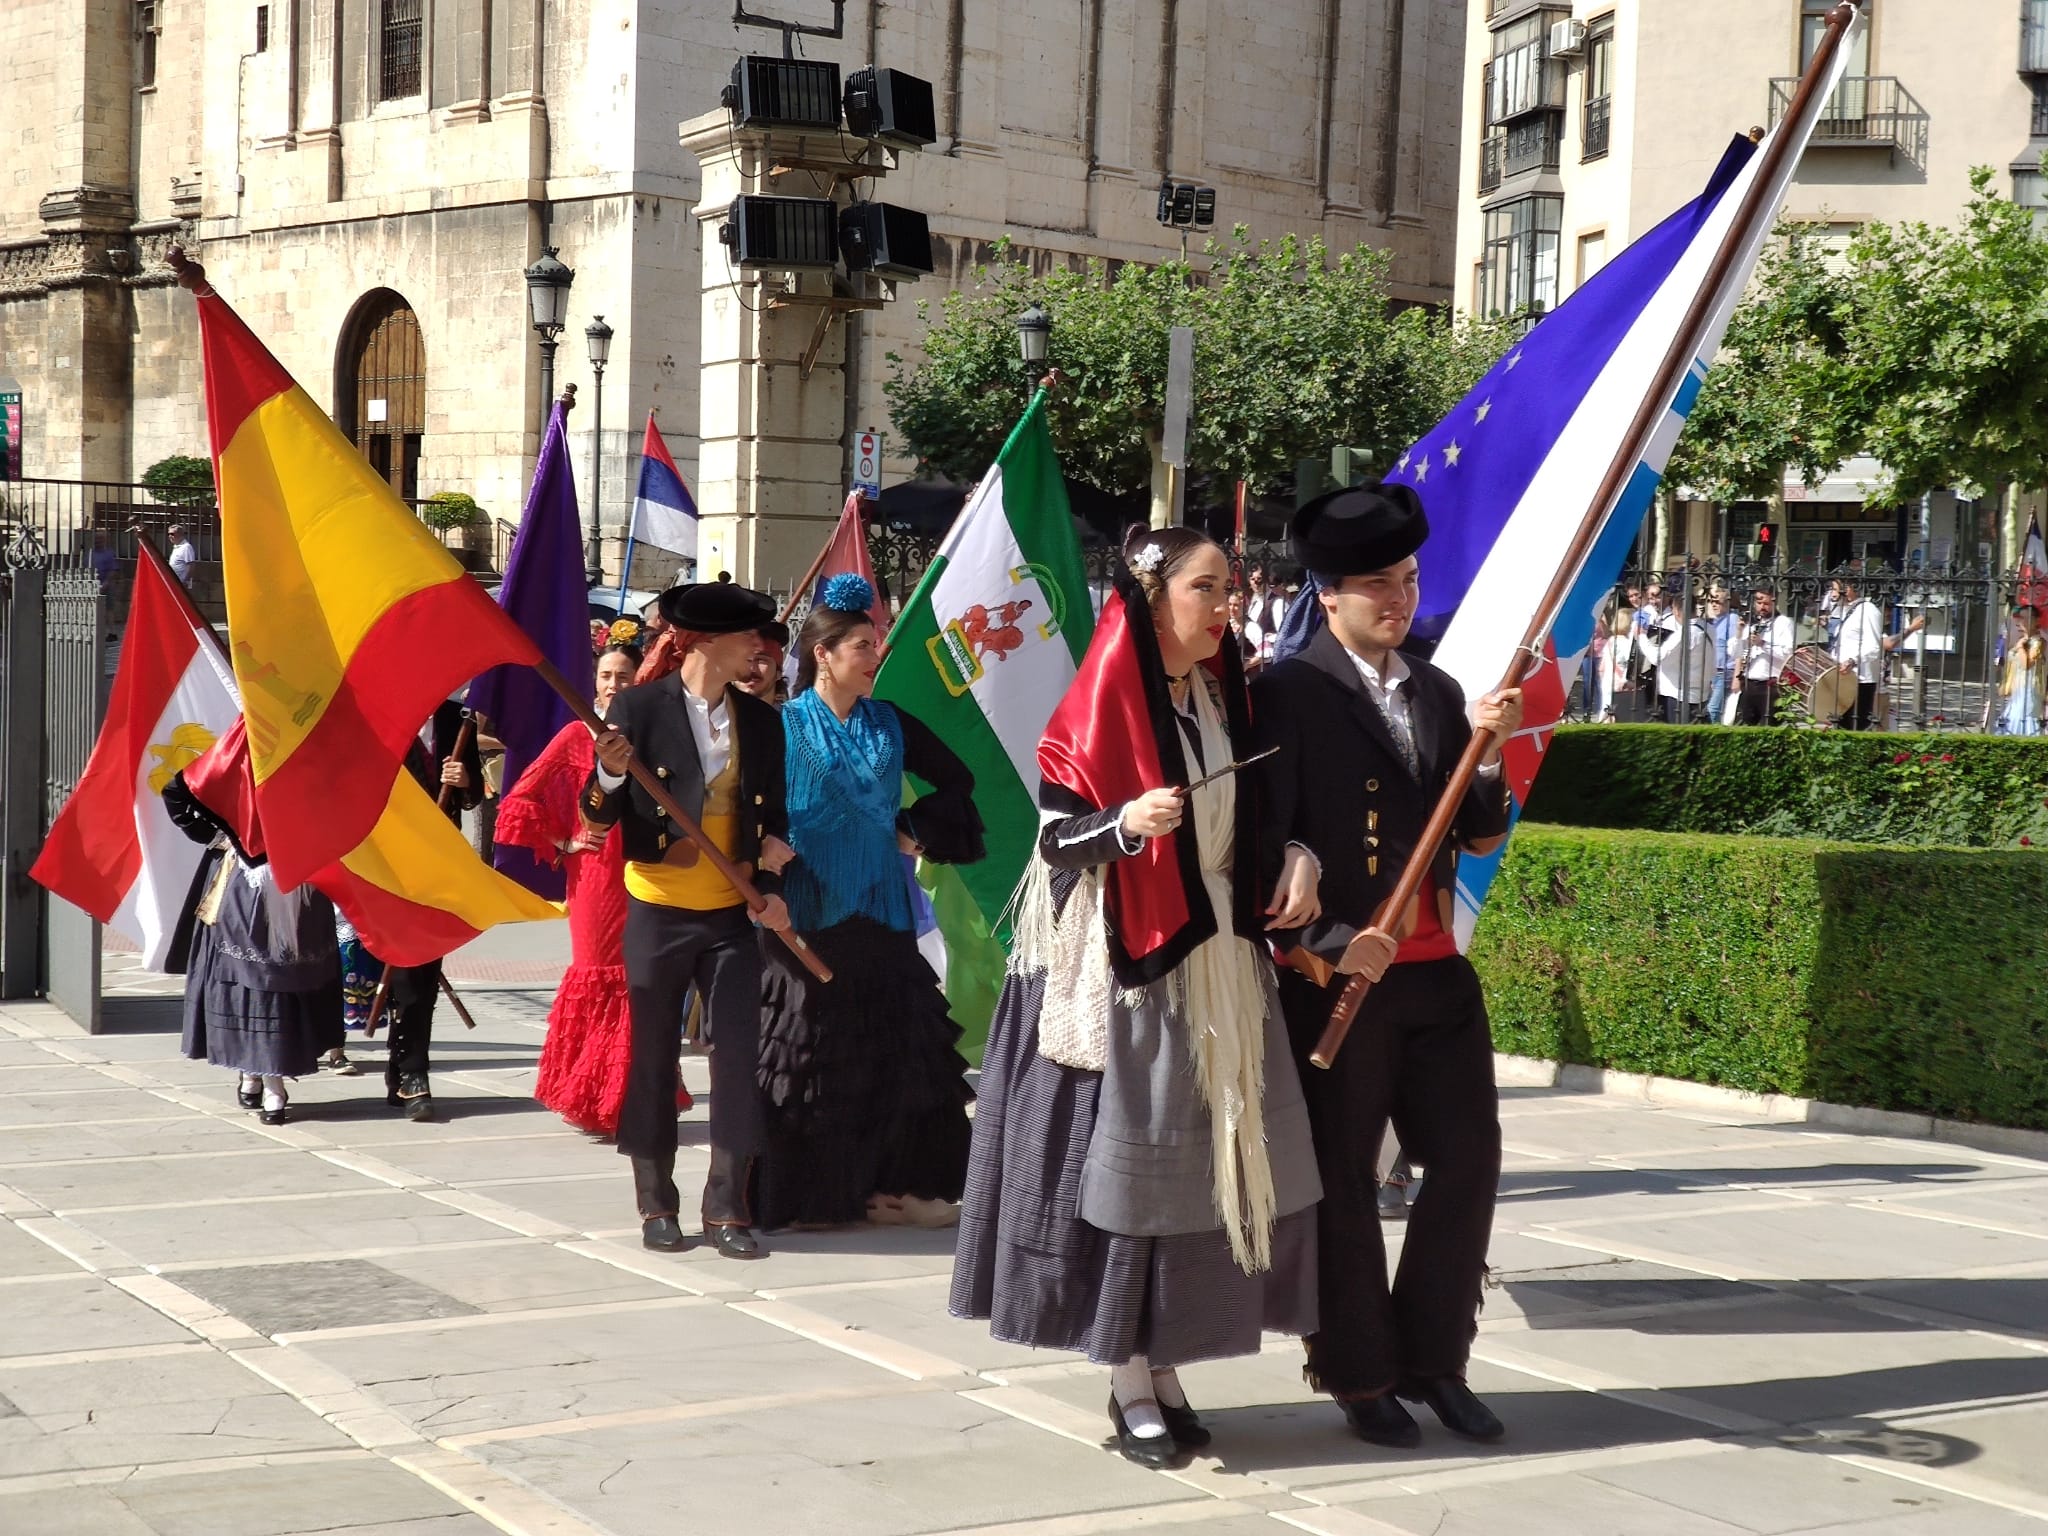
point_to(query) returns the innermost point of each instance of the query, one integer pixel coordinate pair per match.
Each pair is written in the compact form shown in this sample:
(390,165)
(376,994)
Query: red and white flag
(114,850)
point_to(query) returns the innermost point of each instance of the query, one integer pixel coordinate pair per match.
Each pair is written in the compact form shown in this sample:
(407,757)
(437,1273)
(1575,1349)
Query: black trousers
(1858,717)
(409,1013)
(1421,1056)
(1758,703)
(669,950)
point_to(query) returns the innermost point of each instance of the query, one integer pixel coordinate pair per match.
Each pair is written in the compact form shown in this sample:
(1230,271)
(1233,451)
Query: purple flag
(545,595)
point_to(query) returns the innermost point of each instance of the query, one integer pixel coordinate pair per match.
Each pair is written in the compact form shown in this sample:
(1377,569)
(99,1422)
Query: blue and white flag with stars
(1508,475)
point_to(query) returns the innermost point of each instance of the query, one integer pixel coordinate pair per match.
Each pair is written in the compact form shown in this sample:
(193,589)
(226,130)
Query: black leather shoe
(1146,1450)
(277,1116)
(249,1098)
(662,1234)
(1383,1421)
(736,1243)
(1186,1426)
(1452,1401)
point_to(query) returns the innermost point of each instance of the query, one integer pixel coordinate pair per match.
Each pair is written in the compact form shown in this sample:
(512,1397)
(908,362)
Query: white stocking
(1131,1382)
(273,1093)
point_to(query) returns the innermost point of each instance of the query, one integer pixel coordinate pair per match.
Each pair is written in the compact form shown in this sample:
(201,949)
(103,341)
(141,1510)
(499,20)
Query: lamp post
(547,299)
(598,337)
(1034,329)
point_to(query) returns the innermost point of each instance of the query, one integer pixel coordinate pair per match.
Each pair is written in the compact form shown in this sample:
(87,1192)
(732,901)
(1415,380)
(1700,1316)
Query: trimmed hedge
(1841,786)
(1910,979)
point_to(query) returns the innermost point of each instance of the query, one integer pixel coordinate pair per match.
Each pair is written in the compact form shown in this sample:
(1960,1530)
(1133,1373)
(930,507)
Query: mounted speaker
(891,107)
(783,93)
(781,232)
(886,240)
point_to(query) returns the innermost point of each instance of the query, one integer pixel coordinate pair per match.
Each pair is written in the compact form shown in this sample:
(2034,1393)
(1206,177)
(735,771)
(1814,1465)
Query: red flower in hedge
(2026,842)
(1926,757)
(1948,757)
(1904,755)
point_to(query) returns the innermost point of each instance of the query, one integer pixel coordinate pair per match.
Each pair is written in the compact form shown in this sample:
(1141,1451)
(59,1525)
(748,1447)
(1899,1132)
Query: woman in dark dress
(1143,1184)
(866,1088)
(262,967)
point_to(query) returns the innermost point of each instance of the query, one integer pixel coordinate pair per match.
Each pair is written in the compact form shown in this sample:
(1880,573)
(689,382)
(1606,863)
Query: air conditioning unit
(782,232)
(885,240)
(783,93)
(1567,39)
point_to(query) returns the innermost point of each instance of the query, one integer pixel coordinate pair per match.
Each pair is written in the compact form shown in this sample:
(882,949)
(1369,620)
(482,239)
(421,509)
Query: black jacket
(1340,786)
(655,718)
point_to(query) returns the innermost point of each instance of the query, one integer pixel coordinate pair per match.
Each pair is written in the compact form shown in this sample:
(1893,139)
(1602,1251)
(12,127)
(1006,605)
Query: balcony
(1534,145)
(1866,112)
(2034,37)
(1522,82)
(1507,10)
(1597,128)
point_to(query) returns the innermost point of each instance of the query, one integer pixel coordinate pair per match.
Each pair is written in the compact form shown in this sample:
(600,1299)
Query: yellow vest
(698,887)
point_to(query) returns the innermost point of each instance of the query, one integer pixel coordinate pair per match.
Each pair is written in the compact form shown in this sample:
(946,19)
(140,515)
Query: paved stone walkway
(1704,1324)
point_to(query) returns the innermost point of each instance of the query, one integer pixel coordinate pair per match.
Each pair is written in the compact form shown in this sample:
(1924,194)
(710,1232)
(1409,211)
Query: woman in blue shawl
(866,1088)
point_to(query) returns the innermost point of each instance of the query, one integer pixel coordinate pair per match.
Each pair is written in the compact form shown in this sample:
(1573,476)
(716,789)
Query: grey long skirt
(1040,1275)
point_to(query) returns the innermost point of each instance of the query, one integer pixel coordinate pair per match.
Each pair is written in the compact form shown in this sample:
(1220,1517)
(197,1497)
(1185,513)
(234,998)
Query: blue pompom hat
(847,593)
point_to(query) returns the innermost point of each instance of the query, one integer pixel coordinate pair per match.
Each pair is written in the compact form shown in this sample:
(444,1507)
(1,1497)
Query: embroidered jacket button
(661,773)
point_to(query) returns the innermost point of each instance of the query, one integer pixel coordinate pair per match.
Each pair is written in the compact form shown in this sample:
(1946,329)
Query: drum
(1827,691)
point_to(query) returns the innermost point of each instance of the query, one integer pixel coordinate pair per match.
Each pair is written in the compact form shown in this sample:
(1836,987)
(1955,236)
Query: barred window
(1597,126)
(399,29)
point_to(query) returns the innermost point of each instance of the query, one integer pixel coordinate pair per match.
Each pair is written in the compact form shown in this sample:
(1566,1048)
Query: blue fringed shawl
(845,788)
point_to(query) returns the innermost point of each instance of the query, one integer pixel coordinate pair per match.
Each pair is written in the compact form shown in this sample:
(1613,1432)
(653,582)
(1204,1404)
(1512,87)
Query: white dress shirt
(1697,648)
(183,557)
(1771,642)
(1860,641)
(711,727)
(1392,699)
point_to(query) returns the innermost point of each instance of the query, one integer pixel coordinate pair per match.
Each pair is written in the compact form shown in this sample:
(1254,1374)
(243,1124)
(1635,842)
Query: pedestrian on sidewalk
(584,1061)
(866,1088)
(262,971)
(1142,1187)
(720,753)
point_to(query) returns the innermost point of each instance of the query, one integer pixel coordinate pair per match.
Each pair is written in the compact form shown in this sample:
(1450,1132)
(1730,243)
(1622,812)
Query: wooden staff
(1685,346)
(645,777)
(463,738)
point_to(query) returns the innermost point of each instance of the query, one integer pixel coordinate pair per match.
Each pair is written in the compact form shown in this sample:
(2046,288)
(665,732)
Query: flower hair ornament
(847,593)
(624,632)
(1148,559)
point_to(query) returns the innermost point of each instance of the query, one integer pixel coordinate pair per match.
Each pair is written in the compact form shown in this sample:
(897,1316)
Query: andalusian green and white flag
(982,653)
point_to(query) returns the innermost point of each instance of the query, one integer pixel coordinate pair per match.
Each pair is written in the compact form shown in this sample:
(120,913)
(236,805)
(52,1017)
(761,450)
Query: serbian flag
(350,621)
(663,513)
(113,850)
(1508,475)
(414,888)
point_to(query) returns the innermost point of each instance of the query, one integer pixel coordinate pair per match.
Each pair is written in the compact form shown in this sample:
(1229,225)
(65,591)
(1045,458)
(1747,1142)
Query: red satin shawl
(1102,744)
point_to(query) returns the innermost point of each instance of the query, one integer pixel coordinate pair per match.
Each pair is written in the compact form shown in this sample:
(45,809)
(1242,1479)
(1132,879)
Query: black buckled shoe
(1186,1426)
(413,1096)
(1155,1451)
(1382,1421)
(662,1233)
(736,1242)
(247,1097)
(1454,1403)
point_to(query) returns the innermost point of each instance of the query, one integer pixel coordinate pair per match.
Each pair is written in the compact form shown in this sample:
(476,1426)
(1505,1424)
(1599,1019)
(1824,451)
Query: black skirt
(865,1087)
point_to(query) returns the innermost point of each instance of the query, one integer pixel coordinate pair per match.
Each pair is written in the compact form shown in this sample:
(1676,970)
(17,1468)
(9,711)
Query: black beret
(776,632)
(1358,529)
(717,608)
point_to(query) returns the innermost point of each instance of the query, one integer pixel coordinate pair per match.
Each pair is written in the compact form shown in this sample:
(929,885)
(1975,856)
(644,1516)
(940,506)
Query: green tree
(181,480)
(1294,353)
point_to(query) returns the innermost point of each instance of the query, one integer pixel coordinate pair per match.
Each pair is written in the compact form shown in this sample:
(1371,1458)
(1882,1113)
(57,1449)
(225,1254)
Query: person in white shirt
(1682,650)
(1263,611)
(184,555)
(1767,648)
(1859,651)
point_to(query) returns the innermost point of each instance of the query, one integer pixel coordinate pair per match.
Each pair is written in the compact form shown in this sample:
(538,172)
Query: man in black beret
(719,751)
(1369,738)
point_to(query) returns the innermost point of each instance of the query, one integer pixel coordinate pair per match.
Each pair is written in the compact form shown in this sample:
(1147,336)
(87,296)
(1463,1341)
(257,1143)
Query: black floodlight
(886,240)
(891,107)
(1205,207)
(782,232)
(1184,203)
(783,93)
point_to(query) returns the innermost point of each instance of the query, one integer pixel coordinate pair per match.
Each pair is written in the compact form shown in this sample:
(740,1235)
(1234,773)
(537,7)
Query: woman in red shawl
(583,1064)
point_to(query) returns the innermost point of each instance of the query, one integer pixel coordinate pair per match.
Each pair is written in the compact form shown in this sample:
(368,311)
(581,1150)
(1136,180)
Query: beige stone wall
(303,193)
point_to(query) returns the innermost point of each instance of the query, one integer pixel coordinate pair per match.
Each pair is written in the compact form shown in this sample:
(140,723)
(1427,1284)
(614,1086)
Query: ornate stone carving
(152,241)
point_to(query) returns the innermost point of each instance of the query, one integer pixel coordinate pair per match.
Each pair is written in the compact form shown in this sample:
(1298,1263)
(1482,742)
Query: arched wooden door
(381,388)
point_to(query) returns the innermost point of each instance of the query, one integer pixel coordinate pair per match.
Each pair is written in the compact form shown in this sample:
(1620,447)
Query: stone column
(770,454)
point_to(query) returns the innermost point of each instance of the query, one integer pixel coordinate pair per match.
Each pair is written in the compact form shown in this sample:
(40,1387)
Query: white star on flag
(1485,409)
(1404,461)
(1451,456)
(1515,361)
(1422,471)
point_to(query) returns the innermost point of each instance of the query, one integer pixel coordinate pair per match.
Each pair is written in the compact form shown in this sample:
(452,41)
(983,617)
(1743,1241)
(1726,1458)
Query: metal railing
(1865,112)
(1535,144)
(1596,128)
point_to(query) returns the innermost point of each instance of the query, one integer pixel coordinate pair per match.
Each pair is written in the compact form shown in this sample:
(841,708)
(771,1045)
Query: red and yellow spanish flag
(349,620)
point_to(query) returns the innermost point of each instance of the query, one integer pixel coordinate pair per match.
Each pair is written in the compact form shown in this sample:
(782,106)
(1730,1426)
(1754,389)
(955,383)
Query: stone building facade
(366,180)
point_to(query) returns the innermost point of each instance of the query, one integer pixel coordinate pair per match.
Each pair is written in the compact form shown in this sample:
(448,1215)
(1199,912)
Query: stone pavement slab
(1702,1322)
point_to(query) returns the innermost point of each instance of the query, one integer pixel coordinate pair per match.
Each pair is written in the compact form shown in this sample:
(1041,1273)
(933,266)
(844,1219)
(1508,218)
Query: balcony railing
(1866,112)
(1597,127)
(1533,145)
(2034,37)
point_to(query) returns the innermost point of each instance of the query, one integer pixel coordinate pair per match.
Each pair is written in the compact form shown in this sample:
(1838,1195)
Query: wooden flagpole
(1684,348)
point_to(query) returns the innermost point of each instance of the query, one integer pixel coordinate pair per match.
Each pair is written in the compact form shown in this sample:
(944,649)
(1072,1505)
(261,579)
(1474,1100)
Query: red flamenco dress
(589,1045)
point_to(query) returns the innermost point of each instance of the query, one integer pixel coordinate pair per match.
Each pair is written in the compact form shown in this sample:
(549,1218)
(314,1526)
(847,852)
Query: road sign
(867,463)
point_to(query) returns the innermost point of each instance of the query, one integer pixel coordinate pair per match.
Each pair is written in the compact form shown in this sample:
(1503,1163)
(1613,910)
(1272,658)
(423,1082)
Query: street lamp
(598,337)
(1034,329)
(547,298)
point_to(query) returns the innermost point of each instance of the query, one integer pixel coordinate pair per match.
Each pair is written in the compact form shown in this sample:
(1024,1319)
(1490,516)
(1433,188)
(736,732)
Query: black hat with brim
(775,632)
(717,608)
(1358,529)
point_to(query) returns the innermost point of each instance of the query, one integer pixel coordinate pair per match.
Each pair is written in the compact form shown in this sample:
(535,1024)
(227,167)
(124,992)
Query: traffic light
(1767,543)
